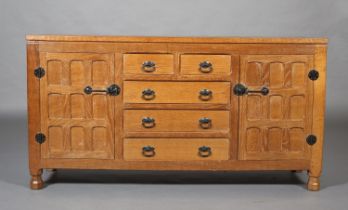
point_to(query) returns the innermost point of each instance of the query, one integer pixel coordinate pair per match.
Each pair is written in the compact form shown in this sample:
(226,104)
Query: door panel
(275,126)
(76,124)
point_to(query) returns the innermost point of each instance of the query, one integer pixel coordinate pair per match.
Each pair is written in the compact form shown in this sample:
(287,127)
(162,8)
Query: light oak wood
(175,149)
(190,64)
(225,165)
(192,48)
(34,124)
(176,121)
(142,39)
(176,92)
(77,125)
(133,64)
(315,169)
(275,126)
(249,132)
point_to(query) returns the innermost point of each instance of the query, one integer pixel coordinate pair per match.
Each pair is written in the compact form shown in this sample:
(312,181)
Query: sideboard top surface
(152,39)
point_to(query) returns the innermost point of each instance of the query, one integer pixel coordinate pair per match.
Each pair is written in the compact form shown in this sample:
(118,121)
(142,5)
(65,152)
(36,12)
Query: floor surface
(69,189)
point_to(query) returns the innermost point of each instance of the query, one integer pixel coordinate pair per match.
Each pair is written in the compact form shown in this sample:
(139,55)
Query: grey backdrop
(170,18)
(116,190)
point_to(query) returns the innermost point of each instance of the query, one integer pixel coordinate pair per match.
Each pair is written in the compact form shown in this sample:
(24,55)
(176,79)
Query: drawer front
(176,92)
(176,120)
(148,63)
(205,64)
(176,149)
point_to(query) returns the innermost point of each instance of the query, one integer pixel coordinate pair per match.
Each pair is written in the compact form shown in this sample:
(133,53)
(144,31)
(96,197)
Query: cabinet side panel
(33,97)
(318,111)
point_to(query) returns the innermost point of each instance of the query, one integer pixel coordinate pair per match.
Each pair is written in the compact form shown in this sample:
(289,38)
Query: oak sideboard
(176,103)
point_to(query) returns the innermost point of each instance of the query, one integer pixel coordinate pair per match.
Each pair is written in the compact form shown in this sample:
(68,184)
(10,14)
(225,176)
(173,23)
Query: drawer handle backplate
(148,94)
(206,67)
(149,66)
(148,151)
(148,122)
(205,95)
(205,123)
(204,151)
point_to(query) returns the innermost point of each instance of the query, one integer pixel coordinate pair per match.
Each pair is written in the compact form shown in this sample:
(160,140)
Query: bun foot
(313,183)
(36,182)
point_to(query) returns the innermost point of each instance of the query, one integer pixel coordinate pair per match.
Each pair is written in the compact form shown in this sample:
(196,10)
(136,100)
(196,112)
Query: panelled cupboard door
(274,126)
(77,124)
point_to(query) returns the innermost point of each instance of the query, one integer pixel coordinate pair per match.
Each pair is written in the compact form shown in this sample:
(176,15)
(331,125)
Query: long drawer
(176,92)
(176,149)
(176,120)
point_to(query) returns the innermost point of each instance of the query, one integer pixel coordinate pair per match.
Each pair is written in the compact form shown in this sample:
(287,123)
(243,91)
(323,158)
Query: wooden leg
(315,168)
(36,182)
(313,183)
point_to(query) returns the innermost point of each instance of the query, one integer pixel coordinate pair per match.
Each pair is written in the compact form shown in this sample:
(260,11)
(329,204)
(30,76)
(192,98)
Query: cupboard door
(77,124)
(275,126)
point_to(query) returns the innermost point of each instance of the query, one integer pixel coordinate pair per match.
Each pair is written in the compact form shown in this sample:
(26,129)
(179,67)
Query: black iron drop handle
(148,151)
(240,90)
(148,94)
(205,67)
(205,123)
(148,122)
(113,90)
(204,151)
(205,94)
(149,66)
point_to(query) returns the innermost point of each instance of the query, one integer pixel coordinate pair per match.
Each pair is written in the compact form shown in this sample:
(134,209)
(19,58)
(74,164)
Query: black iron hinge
(40,138)
(311,139)
(313,74)
(39,72)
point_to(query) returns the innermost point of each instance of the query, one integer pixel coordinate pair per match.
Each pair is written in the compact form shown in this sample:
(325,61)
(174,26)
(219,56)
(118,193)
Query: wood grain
(77,125)
(318,119)
(34,124)
(189,64)
(176,121)
(227,165)
(275,126)
(249,132)
(133,63)
(176,92)
(211,40)
(175,149)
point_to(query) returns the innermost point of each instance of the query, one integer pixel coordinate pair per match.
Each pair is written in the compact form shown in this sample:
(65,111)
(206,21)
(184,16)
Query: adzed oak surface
(248,132)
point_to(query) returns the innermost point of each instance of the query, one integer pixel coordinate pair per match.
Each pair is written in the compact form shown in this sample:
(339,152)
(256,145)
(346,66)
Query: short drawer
(205,64)
(176,120)
(148,64)
(176,149)
(176,92)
